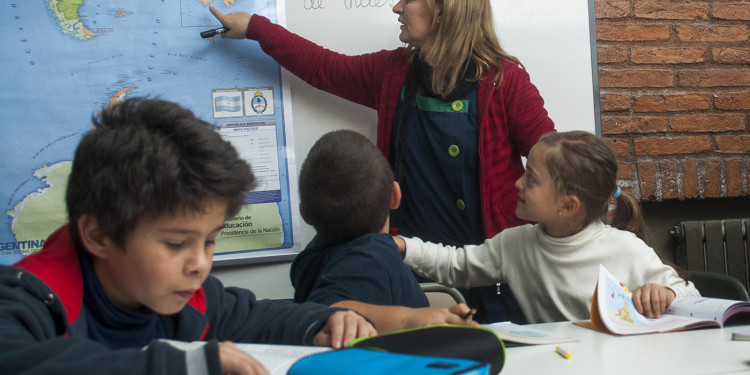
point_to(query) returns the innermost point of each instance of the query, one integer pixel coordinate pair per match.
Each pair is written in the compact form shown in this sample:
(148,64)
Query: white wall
(270,280)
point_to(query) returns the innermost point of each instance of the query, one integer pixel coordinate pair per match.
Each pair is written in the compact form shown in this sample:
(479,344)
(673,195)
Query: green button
(457,105)
(453,150)
(461,204)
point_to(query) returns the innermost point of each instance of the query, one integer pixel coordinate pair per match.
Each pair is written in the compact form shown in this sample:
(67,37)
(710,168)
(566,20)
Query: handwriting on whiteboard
(348,4)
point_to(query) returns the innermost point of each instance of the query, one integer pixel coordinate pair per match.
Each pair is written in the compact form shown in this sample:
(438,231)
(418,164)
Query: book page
(278,359)
(521,334)
(715,309)
(618,313)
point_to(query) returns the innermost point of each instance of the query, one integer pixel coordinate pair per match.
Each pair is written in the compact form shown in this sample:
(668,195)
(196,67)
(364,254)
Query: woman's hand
(236,23)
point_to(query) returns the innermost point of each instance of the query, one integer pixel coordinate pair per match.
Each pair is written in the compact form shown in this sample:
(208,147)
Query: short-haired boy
(150,188)
(346,191)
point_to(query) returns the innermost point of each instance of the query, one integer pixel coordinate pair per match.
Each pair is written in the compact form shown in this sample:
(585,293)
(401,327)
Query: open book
(516,334)
(612,311)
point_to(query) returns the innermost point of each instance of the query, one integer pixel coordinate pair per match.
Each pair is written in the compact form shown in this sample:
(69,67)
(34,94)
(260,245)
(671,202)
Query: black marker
(213,32)
(469,314)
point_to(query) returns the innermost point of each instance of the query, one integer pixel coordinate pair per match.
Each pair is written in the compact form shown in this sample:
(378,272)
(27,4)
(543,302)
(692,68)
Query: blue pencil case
(442,340)
(373,362)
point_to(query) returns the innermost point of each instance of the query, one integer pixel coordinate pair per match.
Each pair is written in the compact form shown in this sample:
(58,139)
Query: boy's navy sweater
(367,269)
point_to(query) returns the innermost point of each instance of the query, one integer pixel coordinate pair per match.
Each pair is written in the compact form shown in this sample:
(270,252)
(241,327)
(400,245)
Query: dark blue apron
(439,177)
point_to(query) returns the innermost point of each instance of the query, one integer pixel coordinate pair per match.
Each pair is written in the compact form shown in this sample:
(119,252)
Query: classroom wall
(675,93)
(267,280)
(675,98)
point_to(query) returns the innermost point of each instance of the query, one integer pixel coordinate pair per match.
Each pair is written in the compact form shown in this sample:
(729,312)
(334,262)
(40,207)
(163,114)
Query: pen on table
(213,32)
(469,314)
(565,354)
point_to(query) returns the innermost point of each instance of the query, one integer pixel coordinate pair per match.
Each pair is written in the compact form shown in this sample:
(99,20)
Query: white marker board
(552,38)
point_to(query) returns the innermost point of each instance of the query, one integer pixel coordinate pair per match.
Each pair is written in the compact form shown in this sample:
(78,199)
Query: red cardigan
(511,117)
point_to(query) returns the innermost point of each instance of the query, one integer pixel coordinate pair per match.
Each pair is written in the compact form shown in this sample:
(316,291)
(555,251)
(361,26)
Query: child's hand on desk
(651,300)
(235,361)
(428,316)
(342,327)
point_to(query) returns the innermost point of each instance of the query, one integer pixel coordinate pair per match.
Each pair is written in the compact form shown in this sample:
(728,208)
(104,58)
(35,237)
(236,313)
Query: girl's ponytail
(627,215)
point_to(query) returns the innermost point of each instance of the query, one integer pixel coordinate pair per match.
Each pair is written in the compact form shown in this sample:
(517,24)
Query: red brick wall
(674,79)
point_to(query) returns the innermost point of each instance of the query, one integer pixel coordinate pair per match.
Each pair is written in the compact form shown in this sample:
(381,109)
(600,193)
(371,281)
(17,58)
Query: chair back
(718,285)
(440,295)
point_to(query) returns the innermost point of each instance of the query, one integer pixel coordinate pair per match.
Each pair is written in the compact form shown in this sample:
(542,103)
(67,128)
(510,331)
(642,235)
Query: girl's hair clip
(617,193)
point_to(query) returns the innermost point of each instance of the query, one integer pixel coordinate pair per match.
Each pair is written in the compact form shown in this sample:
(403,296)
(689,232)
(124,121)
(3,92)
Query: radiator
(714,245)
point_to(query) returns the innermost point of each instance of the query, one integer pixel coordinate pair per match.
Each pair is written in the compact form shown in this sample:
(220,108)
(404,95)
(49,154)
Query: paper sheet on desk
(277,359)
(516,334)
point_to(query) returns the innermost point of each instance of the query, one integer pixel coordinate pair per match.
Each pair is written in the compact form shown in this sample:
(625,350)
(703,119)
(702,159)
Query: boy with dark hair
(346,187)
(150,188)
(346,191)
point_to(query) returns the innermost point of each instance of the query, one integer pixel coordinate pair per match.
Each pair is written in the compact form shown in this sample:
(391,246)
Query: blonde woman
(455,115)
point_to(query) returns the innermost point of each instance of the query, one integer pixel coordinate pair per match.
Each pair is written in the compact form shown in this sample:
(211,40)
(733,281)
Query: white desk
(706,351)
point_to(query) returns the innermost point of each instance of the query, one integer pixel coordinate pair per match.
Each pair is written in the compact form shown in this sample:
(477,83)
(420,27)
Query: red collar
(57,266)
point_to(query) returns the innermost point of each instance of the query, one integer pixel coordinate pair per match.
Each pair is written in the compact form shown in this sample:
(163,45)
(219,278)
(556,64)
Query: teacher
(455,115)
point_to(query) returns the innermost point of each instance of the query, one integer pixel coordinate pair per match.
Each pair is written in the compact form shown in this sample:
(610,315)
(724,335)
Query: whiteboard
(554,40)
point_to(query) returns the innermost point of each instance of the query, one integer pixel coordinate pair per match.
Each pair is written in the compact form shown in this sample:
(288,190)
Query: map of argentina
(66,15)
(64,60)
(41,212)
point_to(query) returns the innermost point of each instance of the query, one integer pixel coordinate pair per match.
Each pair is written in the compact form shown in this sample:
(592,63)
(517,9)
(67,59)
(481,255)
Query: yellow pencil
(565,354)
